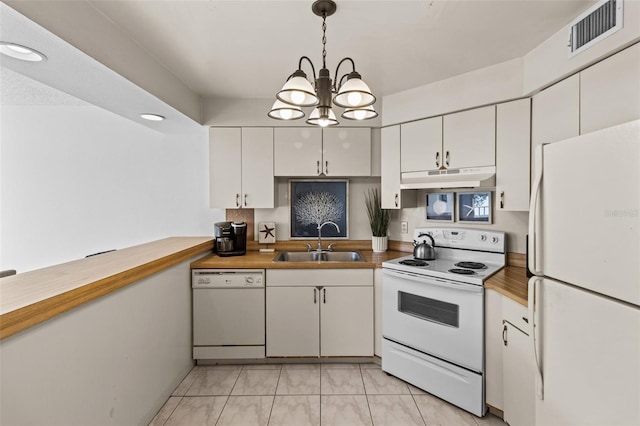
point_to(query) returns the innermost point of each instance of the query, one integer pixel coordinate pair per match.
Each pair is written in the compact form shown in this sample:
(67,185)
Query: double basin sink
(319,256)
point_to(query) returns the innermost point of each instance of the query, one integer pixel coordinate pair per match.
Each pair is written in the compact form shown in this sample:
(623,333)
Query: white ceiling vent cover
(595,24)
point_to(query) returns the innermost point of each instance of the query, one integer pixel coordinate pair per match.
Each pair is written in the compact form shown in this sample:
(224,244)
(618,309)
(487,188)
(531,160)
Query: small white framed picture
(440,207)
(474,207)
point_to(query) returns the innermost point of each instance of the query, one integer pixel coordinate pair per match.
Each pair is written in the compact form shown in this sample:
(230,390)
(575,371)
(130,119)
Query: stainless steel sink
(315,256)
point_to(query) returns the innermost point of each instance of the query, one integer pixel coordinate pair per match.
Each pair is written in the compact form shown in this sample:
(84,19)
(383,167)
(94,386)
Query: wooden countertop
(33,297)
(511,281)
(258,260)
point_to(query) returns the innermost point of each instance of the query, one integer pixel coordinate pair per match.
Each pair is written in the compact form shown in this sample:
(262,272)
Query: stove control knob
(483,237)
(495,240)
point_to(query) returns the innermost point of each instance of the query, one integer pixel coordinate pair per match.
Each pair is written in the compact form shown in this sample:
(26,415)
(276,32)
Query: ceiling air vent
(595,24)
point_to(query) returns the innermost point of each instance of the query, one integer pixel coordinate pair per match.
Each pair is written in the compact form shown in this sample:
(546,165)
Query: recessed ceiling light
(152,117)
(23,53)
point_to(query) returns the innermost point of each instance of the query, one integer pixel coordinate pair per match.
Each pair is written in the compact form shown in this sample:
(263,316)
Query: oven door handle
(453,285)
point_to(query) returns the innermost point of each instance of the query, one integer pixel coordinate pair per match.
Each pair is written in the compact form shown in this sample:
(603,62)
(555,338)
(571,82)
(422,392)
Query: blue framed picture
(314,202)
(474,207)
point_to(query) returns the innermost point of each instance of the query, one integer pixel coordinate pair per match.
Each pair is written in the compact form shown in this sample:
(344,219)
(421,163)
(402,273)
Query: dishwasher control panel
(227,278)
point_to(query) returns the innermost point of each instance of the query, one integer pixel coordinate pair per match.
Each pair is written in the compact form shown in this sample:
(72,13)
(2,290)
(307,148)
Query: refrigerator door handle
(533,312)
(533,206)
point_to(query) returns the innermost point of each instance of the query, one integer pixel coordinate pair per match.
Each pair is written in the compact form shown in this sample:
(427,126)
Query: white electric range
(433,314)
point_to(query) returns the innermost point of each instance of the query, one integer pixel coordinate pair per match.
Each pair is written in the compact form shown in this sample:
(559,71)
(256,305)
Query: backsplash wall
(513,223)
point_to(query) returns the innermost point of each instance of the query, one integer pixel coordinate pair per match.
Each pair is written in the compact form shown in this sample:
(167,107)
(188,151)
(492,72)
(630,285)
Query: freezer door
(588,206)
(588,352)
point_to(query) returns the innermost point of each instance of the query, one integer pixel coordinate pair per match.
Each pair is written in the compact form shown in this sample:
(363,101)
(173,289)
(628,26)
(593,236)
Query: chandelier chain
(324,40)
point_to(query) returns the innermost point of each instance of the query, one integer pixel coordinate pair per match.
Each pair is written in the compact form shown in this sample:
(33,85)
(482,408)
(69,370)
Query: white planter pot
(379,244)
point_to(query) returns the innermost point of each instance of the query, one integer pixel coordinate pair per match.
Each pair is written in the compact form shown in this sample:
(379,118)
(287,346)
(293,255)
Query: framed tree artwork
(314,202)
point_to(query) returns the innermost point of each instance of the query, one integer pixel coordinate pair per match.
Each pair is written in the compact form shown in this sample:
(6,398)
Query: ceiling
(246,49)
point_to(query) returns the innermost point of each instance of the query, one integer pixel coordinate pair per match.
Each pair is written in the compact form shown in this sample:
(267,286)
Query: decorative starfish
(267,232)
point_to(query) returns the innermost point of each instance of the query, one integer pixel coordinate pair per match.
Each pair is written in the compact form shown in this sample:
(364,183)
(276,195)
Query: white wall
(76,179)
(485,86)
(513,223)
(359,228)
(112,361)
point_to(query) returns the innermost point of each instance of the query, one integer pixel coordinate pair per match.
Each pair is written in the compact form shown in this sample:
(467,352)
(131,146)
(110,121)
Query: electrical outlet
(404,227)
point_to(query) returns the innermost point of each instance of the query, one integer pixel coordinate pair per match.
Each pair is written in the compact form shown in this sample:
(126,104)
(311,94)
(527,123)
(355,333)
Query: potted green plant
(378,220)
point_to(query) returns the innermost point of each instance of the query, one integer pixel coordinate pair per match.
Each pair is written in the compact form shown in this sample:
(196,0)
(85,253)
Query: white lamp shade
(365,113)
(317,119)
(282,111)
(354,93)
(298,91)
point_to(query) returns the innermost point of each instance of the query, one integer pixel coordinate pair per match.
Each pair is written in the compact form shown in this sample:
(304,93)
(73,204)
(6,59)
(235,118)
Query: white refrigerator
(584,297)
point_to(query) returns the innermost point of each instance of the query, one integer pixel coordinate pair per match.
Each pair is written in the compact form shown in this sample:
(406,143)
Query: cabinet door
(610,91)
(421,145)
(346,151)
(225,176)
(493,347)
(297,151)
(513,127)
(346,321)
(469,138)
(293,321)
(390,168)
(555,113)
(377,312)
(518,377)
(257,167)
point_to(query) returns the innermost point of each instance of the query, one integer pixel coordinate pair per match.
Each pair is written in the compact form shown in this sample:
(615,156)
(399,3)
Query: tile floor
(306,394)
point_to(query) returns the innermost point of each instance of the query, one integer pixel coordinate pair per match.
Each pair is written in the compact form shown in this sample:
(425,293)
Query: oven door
(439,317)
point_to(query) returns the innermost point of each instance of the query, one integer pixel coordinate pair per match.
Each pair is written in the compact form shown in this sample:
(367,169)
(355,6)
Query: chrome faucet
(319,248)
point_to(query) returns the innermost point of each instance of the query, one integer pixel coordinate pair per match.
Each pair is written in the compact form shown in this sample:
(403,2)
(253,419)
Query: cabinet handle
(438,159)
(318,167)
(525,319)
(324,295)
(446,159)
(245,200)
(504,335)
(326,167)
(237,200)
(502,199)
(315,296)
(396,199)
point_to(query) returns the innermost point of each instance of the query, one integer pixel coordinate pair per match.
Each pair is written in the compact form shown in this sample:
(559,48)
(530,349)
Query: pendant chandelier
(353,94)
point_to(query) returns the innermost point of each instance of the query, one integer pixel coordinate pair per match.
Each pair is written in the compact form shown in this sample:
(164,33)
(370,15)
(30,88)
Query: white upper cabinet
(390,168)
(555,112)
(225,172)
(513,128)
(241,168)
(421,145)
(469,138)
(297,151)
(328,152)
(610,91)
(257,168)
(346,151)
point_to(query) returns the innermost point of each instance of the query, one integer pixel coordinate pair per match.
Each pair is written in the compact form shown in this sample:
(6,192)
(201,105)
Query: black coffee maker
(231,238)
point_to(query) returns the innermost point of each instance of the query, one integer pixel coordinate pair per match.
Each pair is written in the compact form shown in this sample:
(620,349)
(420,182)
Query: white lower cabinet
(517,377)
(293,321)
(377,314)
(509,363)
(493,348)
(319,312)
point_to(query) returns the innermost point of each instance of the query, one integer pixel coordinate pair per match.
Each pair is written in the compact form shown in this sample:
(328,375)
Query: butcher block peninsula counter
(33,297)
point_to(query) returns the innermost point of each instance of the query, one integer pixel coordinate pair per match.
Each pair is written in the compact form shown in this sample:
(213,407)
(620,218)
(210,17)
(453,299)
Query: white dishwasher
(228,314)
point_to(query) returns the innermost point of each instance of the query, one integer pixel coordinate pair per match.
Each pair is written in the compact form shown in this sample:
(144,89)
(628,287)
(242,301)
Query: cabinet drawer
(319,277)
(516,314)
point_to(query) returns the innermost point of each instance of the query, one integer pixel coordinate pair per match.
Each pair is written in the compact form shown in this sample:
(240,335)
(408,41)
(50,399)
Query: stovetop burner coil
(471,265)
(413,262)
(461,271)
